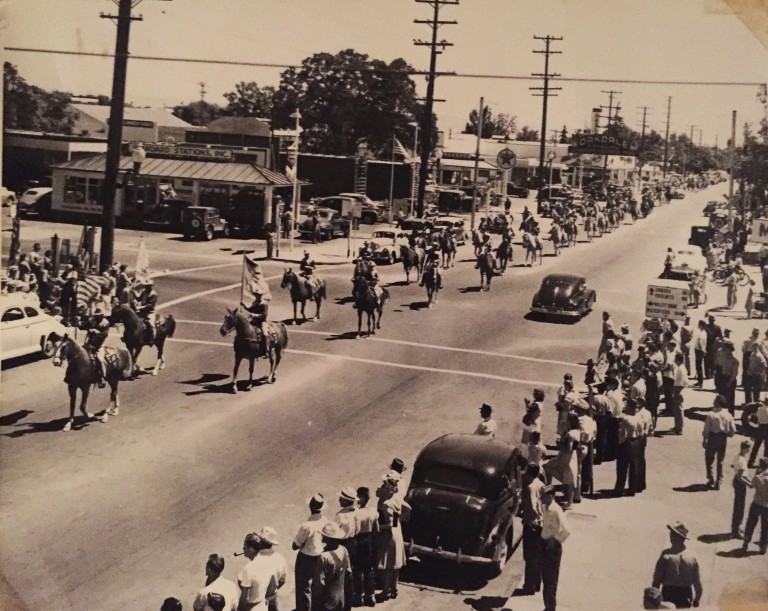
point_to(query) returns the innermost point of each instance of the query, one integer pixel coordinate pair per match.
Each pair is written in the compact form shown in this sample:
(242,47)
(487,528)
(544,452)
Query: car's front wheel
(225,232)
(502,552)
(208,234)
(49,347)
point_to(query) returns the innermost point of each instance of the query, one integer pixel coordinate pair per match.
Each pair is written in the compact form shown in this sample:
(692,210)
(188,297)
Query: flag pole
(242,283)
(392,179)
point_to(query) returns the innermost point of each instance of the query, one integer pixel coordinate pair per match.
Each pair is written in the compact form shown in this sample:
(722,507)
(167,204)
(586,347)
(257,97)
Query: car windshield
(556,282)
(452,478)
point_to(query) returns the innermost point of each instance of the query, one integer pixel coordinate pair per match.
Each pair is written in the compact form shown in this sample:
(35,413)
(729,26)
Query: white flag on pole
(142,263)
(254,282)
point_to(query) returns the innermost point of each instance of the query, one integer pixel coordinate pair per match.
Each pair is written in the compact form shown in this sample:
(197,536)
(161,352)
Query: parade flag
(88,288)
(401,150)
(142,263)
(254,282)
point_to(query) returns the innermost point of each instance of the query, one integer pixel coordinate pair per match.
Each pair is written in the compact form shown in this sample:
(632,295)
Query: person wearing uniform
(98,330)
(347,520)
(364,569)
(145,307)
(487,426)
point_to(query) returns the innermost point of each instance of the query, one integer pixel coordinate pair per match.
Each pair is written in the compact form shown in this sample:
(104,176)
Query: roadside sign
(506,158)
(666,302)
(351,209)
(759,231)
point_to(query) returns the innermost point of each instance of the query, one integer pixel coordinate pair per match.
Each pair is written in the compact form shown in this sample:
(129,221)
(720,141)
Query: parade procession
(410,325)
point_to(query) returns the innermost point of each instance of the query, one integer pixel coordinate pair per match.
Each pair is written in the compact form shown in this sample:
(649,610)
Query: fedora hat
(398,465)
(679,529)
(269,535)
(348,493)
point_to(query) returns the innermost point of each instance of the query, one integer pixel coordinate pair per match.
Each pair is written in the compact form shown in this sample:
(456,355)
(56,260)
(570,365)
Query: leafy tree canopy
(198,113)
(29,107)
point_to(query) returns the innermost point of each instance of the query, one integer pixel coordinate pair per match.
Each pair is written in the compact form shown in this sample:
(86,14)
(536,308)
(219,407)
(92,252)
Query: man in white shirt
(700,350)
(264,575)
(309,544)
(718,427)
(216,584)
(347,520)
(487,427)
(679,382)
(554,531)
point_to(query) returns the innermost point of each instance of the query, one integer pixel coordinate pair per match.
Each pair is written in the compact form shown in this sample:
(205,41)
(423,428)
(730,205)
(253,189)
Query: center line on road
(402,342)
(356,359)
(219,289)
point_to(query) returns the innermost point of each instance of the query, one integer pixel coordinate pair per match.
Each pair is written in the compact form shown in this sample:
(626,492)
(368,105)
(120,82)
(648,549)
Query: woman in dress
(391,554)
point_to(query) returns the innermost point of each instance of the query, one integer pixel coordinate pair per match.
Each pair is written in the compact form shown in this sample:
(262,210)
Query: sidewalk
(609,558)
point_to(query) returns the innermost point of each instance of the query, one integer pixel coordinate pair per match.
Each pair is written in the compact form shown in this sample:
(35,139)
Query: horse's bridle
(57,360)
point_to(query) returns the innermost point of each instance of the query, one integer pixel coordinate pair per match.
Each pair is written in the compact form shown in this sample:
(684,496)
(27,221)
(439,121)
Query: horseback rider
(432,265)
(481,225)
(366,247)
(305,264)
(259,310)
(145,308)
(97,328)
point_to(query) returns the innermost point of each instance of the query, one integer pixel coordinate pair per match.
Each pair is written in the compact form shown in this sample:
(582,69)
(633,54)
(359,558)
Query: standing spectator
(532,542)
(669,352)
(588,430)
(487,426)
(669,261)
(532,416)
(534,451)
(215,583)
(727,374)
(732,283)
(626,337)
(365,571)
(749,302)
(391,553)
(677,571)
(309,544)
(755,376)
(686,336)
(758,510)
(765,278)
(554,531)
(714,333)
(607,334)
(739,466)
(761,433)
(718,427)
(69,299)
(271,233)
(651,375)
(746,351)
(316,237)
(347,520)
(565,397)
(122,285)
(264,574)
(680,381)
(171,604)
(507,206)
(332,573)
(628,455)
(646,428)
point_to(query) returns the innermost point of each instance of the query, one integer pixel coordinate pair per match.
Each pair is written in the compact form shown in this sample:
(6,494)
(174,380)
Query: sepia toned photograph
(417,305)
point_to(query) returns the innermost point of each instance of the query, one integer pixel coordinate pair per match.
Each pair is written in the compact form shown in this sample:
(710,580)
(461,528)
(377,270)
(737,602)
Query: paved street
(110,515)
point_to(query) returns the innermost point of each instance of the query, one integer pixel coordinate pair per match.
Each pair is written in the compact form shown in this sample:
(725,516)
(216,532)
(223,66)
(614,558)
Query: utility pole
(644,124)
(546,93)
(666,138)
(611,114)
(732,156)
(639,161)
(202,91)
(115,134)
(701,135)
(690,146)
(426,122)
(480,118)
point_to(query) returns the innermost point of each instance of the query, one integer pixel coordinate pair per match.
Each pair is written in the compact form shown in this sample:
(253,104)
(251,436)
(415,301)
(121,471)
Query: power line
(666,137)
(512,77)
(546,93)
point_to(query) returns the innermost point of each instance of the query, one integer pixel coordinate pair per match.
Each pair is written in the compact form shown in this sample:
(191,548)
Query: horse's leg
(251,365)
(238,358)
(278,357)
(271,355)
(294,312)
(359,321)
(159,346)
(303,305)
(318,301)
(72,398)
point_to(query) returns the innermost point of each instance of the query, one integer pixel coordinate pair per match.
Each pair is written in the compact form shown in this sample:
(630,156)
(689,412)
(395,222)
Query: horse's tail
(126,371)
(322,293)
(282,334)
(170,325)
(384,296)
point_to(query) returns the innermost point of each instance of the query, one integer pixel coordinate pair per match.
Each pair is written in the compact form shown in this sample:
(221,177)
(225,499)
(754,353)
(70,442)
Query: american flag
(88,287)
(401,150)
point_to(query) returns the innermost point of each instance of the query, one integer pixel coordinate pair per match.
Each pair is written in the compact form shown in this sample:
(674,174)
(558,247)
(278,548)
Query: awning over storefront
(208,171)
(447,164)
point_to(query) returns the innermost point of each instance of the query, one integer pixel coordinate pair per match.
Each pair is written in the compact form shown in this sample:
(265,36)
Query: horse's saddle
(110,358)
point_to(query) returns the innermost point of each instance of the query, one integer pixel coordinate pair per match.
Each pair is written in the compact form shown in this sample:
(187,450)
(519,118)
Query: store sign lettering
(188,152)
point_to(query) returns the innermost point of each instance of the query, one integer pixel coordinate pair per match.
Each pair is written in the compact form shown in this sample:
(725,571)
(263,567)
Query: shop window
(75,189)
(94,186)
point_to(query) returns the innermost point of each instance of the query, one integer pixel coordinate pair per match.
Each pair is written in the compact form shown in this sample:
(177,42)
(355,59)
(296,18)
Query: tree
(198,113)
(527,134)
(503,124)
(564,139)
(29,107)
(250,100)
(347,97)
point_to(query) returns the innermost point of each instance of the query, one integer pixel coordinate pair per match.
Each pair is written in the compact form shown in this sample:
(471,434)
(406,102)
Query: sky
(669,40)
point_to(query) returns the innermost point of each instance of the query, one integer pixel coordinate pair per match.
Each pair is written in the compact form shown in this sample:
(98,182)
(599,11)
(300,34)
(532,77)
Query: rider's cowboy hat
(679,529)
(269,535)
(398,465)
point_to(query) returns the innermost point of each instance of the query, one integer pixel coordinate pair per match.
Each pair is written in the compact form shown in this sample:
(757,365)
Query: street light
(550,158)
(415,126)
(138,155)
(295,206)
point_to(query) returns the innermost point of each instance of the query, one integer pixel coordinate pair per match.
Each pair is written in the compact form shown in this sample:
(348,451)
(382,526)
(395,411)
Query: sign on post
(759,231)
(666,302)
(351,209)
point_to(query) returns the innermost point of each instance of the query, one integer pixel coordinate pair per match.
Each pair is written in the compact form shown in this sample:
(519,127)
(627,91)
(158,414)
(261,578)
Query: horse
(431,280)
(411,258)
(533,249)
(556,236)
(477,242)
(448,250)
(82,373)
(600,224)
(135,334)
(363,270)
(504,254)
(487,266)
(367,301)
(248,344)
(301,292)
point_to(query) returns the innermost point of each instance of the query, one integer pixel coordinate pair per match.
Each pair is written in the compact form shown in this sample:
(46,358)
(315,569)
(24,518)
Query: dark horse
(249,345)
(487,267)
(135,334)
(367,301)
(301,292)
(431,280)
(411,259)
(448,250)
(504,254)
(81,373)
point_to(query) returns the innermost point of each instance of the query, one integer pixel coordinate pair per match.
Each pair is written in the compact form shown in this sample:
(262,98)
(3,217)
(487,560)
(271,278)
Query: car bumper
(556,311)
(437,552)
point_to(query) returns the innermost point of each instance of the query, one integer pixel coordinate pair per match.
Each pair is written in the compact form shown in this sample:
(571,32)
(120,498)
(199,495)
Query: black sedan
(332,225)
(516,191)
(563,295)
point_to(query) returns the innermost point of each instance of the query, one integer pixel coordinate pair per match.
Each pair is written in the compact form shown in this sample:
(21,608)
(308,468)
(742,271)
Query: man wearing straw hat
(333,572)
(309,543)
(677,571)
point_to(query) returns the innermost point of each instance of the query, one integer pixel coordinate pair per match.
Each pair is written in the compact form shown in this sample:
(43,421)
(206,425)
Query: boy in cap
(677,571)
(347,520)
(309,543)
(487,426)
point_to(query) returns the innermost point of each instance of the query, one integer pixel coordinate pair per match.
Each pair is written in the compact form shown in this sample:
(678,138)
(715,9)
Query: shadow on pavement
(14,417)
(397,283)
(52,426)
(697,413)
(692,488)
(344,300)
(470,289)
(486,603)
(716,538)
(206,378)
(435,573)
(736,552)
(418,305)
(344,335)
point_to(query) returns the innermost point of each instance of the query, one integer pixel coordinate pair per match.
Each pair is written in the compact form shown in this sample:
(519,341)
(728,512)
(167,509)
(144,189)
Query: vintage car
(384,247)
(35,202)
(331,225)
(25,328)
(203,223)
(678,194)
(515,191)
(688,260)
(563,295)
(464,492)
(411,223)
(372,212)
(456,224)
(167,214)
(713,206)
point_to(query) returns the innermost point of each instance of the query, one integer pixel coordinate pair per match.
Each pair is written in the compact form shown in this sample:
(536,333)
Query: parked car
(464,492)
(34,202)
(699,236)
(410,223)
(688,260)
(714,206)
(563,295)
(370,212)
(678,194)
(203,223)
(332,225)
(305,209)
(515,191)
(373,212)
(457,224)
(8,196)
(454,200)
(384,247)
(25,328)
(167,214)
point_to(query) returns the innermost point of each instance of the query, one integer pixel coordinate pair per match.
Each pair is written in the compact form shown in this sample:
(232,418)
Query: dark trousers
(587,486)
(349,582)
(760,437)
(641,464)
(610,449)
(364,569)
(727,388)
(700,357)
(627,464)
(716,443)
(602,431)
(304,571)
(668,384)
(739,502)
(532,552)
(551,554)
(681,597)
(752,387)
(709,362)
(756,512)
(686,350)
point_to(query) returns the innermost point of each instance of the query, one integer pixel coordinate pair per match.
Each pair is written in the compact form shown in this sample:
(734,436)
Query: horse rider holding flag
(97,328)
(146,303)
(254,287)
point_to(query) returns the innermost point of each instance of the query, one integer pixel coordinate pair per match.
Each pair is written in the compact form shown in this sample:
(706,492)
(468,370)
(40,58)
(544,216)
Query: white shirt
(263,576)
(554,524)
(309,539)
(680,376)
(222,586)
(700,340)
(347,521)
(487,428)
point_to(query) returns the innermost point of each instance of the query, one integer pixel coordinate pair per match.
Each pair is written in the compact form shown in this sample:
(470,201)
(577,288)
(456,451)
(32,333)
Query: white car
(31,200)
(688,259)
(8,196)
(456,224)
(25,328)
